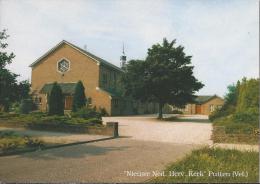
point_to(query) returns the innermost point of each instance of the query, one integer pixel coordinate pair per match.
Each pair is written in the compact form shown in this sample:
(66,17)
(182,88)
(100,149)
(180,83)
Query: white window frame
(59,62)
(212,108)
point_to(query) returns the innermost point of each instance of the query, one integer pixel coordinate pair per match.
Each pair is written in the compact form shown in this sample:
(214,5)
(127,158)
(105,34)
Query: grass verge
(10,142)
(215,166)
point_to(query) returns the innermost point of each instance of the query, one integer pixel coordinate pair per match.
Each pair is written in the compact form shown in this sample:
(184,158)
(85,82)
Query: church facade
(66,64)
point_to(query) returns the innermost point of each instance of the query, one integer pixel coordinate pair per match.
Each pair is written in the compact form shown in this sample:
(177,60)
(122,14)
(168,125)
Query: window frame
(69,68)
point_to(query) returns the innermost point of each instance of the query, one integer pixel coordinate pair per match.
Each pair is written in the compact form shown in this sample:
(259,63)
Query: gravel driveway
(194,129)
(146,145)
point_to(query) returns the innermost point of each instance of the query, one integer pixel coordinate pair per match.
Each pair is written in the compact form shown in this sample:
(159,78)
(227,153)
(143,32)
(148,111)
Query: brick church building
(67,64)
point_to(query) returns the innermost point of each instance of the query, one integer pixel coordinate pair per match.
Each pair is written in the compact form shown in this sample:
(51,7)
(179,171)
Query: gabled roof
(86,53)
(66,88)
(204,98)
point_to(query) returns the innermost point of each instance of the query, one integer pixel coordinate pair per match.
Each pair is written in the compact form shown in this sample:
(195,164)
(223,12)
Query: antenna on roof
(85,47)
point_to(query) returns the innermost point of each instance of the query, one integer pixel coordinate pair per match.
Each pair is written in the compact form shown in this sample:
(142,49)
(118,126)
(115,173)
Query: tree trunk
(160,115)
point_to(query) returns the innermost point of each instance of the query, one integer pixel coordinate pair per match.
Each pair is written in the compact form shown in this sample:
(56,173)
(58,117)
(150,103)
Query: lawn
(213,165)
(10,142)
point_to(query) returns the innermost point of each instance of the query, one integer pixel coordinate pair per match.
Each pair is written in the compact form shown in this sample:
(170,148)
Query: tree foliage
(11,90)
(56,103)
(248,97)
(165,76)
(79,98)
(241,102)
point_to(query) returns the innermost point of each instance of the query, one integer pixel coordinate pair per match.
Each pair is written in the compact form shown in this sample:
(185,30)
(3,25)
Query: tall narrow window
(104,78)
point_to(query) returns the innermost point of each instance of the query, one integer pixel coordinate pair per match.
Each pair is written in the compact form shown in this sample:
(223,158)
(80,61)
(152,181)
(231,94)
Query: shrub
(87,113)
(33,142)
(15,107)
(56,105)
(94,121)
(175,111)
(103,112)
(10,141)
(224,111)
(79,98)
(26,106)
(251,116)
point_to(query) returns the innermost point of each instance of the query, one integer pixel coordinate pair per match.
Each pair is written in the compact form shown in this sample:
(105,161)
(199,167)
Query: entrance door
(198,109)
(68,102)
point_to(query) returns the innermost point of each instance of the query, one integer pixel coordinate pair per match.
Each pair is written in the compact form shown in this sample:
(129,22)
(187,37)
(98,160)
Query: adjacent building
(204,105)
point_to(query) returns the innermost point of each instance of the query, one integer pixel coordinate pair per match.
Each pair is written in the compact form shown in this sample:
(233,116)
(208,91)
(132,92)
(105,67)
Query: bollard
(114,127)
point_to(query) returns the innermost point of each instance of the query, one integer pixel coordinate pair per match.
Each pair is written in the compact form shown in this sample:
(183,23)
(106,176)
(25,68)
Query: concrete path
(106,161)
(186,130)
(55,137)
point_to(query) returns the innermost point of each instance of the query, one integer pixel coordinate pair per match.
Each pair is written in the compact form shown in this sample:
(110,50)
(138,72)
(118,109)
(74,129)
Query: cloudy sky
(221,35)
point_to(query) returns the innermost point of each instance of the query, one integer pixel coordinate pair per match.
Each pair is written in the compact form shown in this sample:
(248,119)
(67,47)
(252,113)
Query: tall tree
(8,82)
(248,97)
(165,76)
(79,98)
(56,103)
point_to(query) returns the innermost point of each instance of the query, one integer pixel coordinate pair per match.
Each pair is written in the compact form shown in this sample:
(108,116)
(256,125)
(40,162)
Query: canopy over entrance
(68,89)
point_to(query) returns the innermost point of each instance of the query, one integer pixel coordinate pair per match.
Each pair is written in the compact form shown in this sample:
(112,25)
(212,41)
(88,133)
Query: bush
(87,113)
(79,98)
(26,106)
(33,142)
(224,111)
(15,107)
(56,105)
(251,116)
(103,112)
(175,111)
(11,141)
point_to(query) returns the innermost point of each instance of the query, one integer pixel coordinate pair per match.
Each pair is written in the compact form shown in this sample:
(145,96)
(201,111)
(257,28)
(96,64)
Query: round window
(63,65)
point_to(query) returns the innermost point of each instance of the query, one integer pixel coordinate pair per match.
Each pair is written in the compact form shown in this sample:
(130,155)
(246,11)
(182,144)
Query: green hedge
(42,118)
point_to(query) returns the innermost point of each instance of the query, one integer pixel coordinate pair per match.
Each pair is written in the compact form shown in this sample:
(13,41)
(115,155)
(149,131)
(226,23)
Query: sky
(222,36)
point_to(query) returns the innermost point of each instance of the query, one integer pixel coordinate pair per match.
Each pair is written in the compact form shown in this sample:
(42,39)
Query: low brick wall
(110,129)
(219,135)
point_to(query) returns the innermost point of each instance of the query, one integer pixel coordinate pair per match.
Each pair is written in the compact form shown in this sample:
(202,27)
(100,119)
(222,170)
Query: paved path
(55,137)
(187,130)
(103,161)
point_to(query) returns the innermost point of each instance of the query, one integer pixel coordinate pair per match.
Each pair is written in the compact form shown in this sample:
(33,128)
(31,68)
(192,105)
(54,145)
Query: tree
(248,97)
(11,91)
(165,76)
(56,105)
(79,98)
(8,80)
(22,90)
